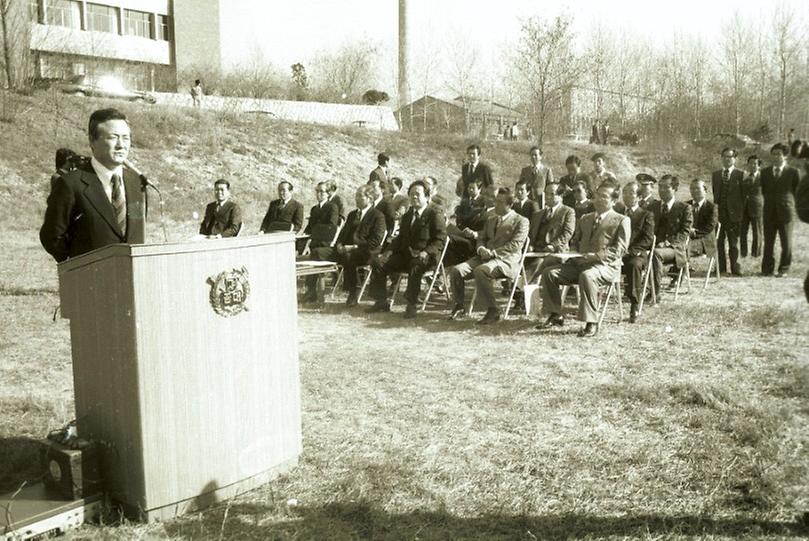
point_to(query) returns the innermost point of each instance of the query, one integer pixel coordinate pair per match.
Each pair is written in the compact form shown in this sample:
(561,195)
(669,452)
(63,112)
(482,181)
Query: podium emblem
(229,292)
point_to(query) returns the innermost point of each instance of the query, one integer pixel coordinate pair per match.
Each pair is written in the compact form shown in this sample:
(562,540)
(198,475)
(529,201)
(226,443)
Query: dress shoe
(492,316)
(737,274)
(410,311)
(633,312)
(783,274)
(383,306)
(351,300)
(766,274)
(554,320)
(457,312)
(590,329)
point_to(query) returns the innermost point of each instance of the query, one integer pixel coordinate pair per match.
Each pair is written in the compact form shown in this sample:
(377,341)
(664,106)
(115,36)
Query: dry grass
(690,424)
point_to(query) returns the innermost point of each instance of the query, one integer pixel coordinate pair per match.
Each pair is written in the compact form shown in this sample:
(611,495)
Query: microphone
(143,180)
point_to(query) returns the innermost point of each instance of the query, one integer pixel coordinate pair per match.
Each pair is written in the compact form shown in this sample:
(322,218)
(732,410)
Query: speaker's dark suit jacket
(328,214)
(554,229)
(673,226)
(367,234)
(79,217)
(642,229)
(225,221)
(385,206)
(704,226)
(779,194)
(527,209)
(291,213)
(731,198)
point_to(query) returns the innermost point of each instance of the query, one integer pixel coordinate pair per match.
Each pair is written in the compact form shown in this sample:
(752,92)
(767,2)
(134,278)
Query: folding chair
(684,272)
(520,274)
(438,269)
(647,279)
(712,260)
(614,287)
(239,231)
(366,268)
(323,233)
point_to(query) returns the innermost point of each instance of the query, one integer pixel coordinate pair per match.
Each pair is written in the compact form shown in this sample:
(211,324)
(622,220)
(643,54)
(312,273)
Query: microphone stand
(160,204)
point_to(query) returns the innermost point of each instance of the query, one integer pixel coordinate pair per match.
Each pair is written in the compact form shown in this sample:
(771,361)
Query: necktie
(725,176)
(777,172)
(118,204)
(497,221)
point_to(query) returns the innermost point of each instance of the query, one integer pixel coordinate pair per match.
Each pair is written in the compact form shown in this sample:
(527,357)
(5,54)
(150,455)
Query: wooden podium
(185,367)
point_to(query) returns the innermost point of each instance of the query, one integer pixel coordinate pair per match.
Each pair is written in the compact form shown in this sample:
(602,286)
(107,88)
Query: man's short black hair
(754,157)
(396,181)
(780,146)
(533,148)
(573,159)
(726,149)
(522,182)
(99,117)
(417,183)
(222,181)
(558,189)
(63,155)
(382,158)
(288,183)
(509,196)
(474,147)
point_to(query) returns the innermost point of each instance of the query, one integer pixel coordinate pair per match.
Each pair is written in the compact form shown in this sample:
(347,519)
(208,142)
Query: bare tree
(787,46)
(462,71)
(698,68)
(547,66)
(14,40)
(735,41)
(346,73)
(600,57)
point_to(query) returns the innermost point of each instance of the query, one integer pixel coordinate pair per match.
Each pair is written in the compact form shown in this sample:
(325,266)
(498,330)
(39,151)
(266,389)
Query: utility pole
(404,61)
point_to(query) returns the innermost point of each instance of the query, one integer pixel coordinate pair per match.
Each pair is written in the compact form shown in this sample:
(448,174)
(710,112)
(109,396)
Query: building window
(136,23)
(64,13)
(163,30)
(33,11)
(102,18)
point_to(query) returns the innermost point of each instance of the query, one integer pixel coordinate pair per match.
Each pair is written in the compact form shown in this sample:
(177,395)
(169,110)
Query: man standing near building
(536,176)
(778,184)
(99,202)
(223,217)
(474,168)
(727,195)
(196,93)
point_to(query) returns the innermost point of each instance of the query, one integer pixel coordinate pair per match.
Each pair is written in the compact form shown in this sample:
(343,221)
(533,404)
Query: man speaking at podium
(99,203)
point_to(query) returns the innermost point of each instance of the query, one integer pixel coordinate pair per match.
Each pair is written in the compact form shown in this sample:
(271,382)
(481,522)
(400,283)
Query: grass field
(693,423)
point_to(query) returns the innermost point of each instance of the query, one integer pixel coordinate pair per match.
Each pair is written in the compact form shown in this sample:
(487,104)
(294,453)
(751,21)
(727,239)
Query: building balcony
(60,39)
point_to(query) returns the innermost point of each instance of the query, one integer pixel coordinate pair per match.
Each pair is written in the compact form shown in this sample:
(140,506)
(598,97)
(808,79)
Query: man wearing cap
(752,208)
(573,176)
(703,231)
(673,221)
(778,184)
(381,171)
(600,173)
(727,194)
(645,193)
(536,176)
(600,239)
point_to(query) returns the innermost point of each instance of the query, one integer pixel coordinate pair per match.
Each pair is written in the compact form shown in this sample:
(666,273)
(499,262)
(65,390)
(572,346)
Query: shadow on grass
(364,521)
(19,463)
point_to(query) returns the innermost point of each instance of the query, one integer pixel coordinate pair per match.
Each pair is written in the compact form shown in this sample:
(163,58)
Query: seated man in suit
(322,214)
(417,248)
(673,221)
(284,210)
(600,239)
(524,206)
(436,200)
(642,229)
(499,248)
(536,176)
(581,204)
(359,241)
(223,217)
(336,200)
(383,204)
(398,193)
(645,194)
(569,181)
(703,230)
(552,227)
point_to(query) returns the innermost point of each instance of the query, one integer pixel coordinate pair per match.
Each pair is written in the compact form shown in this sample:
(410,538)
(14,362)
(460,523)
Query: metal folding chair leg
(337,280)
(365,282)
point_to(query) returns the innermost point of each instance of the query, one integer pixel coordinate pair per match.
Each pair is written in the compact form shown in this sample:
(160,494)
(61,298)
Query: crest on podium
(229,291)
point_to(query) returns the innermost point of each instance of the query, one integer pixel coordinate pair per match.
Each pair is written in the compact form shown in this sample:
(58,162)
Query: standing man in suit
(383,204)
(223,217)
(703,230)
(646,192)
(778,184)
(551,229)
(284,210)
(601,239)
(573,176)
(752,208)
(474,168)
(336,200)
(418,247)
(99,202)
(673,221)
(581,204)
(726,184)
(523,205)
(600,172)
(642,230)
(499,248)
(382,168)
(359,241)
(536,175)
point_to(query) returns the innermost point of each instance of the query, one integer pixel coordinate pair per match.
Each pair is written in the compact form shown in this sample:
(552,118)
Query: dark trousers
(755,224)
(398,262)
(784,231)
(634,265)
(662,257)
(730,231)
(350,262)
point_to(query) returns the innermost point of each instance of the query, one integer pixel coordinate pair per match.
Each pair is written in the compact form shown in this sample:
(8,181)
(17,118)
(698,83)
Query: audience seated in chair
(283,210)
(581,205)
(601,238)
(524,206)
(642,230)
(470,218)
(417,248)
(702,234)
(322,214)
(223,217)
(499,248)
(673,221)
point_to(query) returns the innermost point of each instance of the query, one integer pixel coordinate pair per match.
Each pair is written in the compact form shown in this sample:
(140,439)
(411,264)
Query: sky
(289,31)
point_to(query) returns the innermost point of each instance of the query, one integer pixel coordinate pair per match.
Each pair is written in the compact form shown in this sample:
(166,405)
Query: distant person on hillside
(196,93)
(791,136)
(752,208)
(382,168)
(595,136)
(100,202)
(474,168)
(536,176)
(65,162)
(778,184)
(515,131)
(223,217)
(284,213)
